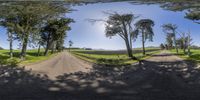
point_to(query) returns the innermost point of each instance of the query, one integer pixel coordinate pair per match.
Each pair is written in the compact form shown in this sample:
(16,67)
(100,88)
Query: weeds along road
(60,64)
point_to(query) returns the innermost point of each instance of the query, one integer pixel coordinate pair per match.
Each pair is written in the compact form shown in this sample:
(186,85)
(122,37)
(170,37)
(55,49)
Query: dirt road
(164,56)
(62,63)
(161,77)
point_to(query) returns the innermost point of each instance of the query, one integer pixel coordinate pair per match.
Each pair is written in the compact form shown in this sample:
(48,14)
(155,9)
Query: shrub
(13,62)
(109,61)
(3,60)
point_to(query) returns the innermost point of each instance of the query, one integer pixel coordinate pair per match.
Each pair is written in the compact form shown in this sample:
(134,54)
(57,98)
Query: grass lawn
(195,55)
(31,56)
(112,57)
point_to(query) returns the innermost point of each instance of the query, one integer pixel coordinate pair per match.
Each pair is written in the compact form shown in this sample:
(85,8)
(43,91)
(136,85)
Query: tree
(189,40)
(166,47)
(191,8)
(10,39)
(60,43)
(183,42)
(162,46)
(171,29)
(169,40)
(55,30)
(10,32)
(120,24)
(194,14)
(27,20)
(145,27)
(70,44)
(39,42)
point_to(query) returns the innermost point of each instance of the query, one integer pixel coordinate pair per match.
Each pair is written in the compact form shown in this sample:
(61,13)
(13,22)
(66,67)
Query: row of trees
(35,24)
(123,26)
(183,42)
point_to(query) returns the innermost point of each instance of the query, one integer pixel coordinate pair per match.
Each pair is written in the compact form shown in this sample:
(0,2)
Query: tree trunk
(175,42)
(11,44)
(39,50)
(189,53)
(53,48)
(143,44)
(129,50)
(69,48)
(48,45)
(47,49)
(184,46)
(184,50)
(131,45)
(24,47)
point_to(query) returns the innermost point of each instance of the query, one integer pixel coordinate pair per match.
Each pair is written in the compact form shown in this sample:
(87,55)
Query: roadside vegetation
(180,43)
(112,58)
(125,27)
(44,30)
(47,29)
(194,56)
(32,57)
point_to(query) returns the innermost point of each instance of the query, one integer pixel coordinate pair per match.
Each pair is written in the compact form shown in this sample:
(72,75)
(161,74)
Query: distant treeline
(109,52)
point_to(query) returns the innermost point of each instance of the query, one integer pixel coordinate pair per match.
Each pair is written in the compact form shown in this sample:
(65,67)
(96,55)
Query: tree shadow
(149,81)
(20,84)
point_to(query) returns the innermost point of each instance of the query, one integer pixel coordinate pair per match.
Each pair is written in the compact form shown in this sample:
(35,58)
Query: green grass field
(195,55)
(112,57)
(31,57)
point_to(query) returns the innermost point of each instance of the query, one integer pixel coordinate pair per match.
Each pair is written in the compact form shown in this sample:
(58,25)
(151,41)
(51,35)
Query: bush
(13,62)
(3,60)
(109,61)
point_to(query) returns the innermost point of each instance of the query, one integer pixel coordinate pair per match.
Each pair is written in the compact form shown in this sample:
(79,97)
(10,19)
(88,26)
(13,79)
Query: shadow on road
(150,81)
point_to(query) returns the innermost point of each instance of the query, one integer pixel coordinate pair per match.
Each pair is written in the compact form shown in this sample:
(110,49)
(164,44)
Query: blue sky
(85,34)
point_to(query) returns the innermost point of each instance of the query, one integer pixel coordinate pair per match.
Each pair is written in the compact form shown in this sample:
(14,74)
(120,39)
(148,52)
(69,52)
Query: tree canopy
(121,25)
(26,17)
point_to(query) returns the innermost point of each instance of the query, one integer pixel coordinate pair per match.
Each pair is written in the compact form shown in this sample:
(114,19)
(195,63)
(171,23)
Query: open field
(32,56)
(112,57)
(195,55)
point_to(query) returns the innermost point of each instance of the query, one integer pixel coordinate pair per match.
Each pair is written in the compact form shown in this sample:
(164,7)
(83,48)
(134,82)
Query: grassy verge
(195,55)
(111,57)
(31,57)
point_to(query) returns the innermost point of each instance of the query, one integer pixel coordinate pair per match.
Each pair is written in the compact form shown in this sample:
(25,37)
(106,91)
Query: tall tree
(55,30)
(169,40)
(189,43)
(171,29)
(60,43)
(120,24)
(194,14)
(8,23)
(162,46)
(70,44)
(10,39)
(145,27)
(28,15)
(183,41)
